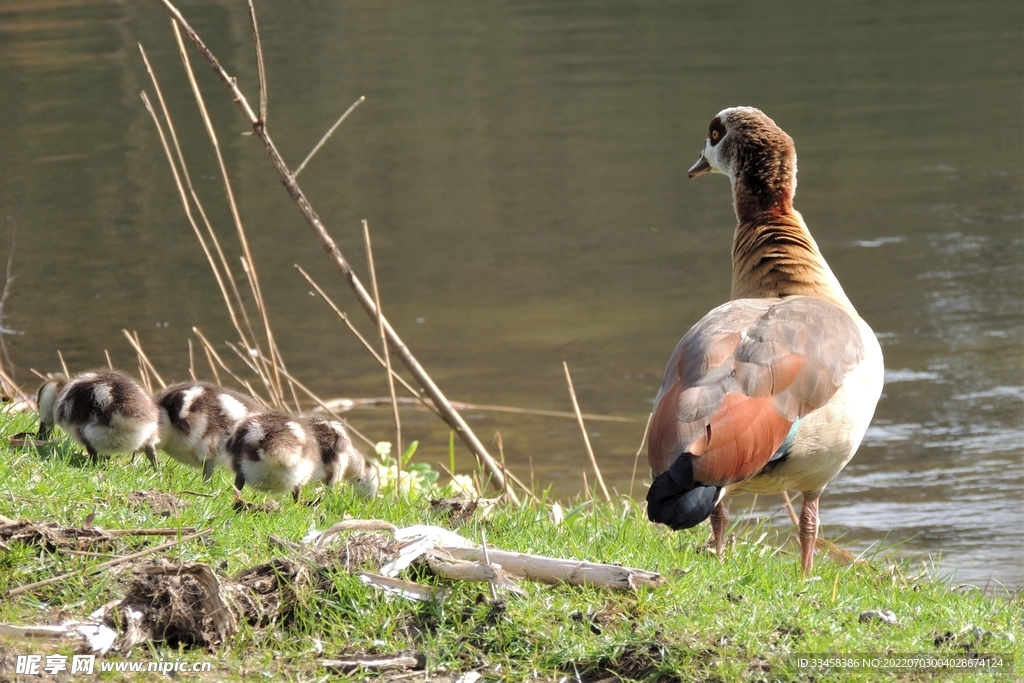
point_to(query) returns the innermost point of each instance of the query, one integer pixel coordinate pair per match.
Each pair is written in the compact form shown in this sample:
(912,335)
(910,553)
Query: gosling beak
(700,168)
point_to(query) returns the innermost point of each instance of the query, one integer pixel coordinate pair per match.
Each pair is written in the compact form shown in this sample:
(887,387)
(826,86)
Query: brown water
(522,166)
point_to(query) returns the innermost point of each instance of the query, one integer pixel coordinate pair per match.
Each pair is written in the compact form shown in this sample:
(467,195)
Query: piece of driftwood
(390,663)
(557,570)
(94,636)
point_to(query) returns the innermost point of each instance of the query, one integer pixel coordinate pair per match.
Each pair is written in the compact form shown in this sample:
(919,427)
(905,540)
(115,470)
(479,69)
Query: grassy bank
(741,619)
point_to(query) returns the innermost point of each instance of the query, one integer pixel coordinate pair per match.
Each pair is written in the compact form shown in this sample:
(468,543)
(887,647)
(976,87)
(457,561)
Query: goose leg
(151,455)
(295,493)
(208,469)
(719,523)
(808,533)
(239,481)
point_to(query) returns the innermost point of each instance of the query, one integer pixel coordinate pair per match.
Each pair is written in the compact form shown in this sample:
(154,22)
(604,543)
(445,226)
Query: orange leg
(808,533)
(719,523)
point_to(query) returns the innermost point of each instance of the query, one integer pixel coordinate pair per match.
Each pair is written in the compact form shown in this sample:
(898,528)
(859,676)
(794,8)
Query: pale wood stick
(63,365)
(639,450)
(387,357)
(110,361)
(273,385)
(586,439)
(328,135)
(451,416)
(555,570)
(95,569)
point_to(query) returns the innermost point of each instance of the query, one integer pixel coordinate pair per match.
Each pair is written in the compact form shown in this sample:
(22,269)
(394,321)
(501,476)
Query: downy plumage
(105,412)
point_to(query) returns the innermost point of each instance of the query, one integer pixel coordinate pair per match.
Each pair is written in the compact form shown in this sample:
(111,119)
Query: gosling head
(368,483)
(46,399)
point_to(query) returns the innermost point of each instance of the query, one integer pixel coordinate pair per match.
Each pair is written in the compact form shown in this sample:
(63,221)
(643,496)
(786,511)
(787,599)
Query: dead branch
(450,415)
(583,429)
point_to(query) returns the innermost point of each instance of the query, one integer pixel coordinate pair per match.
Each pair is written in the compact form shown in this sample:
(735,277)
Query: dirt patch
(163,504)
(455,510)
(54,537)
(267,507)
(360,551)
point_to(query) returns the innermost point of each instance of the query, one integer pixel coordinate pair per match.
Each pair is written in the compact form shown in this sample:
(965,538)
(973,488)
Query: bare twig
(369,347)
(4,330)
(133,339)
(636,460)
(259,63)
(387,354)
(450,415)
(192,361)
(199,205)
(273,384)
(63,365)
(586,439)
(95,569)
(328,135)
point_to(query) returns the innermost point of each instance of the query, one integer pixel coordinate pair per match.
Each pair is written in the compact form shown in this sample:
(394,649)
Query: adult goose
(774,390)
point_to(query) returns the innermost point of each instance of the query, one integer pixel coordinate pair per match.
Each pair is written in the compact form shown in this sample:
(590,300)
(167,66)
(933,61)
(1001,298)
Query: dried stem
(192,362)
(211,353)
(636,460)
(327,135)
(144,362)
(259,63)
(199,205)
(387,354)
(274,387)
(369,347)
(450,415)
(586,439)
(63,365)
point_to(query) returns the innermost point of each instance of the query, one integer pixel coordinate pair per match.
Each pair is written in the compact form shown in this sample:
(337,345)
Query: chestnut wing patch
(742,376)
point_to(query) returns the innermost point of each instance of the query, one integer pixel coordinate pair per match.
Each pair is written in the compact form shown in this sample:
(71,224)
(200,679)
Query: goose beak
(700,168)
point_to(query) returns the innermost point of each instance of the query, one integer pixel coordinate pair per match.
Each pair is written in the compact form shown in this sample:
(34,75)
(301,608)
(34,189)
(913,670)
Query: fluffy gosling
(105,412)
(196,420)
(280,453)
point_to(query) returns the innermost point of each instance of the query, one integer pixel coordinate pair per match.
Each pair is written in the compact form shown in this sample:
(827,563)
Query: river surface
(522,166)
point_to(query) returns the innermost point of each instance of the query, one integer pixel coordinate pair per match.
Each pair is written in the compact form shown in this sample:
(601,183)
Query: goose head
(758,157)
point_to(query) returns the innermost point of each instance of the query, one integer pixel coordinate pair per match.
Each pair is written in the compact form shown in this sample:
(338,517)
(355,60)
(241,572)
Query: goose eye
(714,136)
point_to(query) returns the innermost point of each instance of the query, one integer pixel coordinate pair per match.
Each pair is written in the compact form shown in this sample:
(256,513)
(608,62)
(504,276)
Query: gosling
(280,453)
(105,412)
(196,420)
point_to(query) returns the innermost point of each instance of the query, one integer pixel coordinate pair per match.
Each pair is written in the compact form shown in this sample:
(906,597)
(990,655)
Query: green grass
(736,620)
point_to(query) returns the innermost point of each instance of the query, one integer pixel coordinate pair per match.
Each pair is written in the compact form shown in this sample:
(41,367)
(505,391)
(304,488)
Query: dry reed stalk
(186,176)
(133,339)
(387,356)
(636,459)
(583,429)
(327,135)
(259,63)
(450,415)
(273,384)
(212,354)
(316,399)
(366,344)
(63,365)
(192,361)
